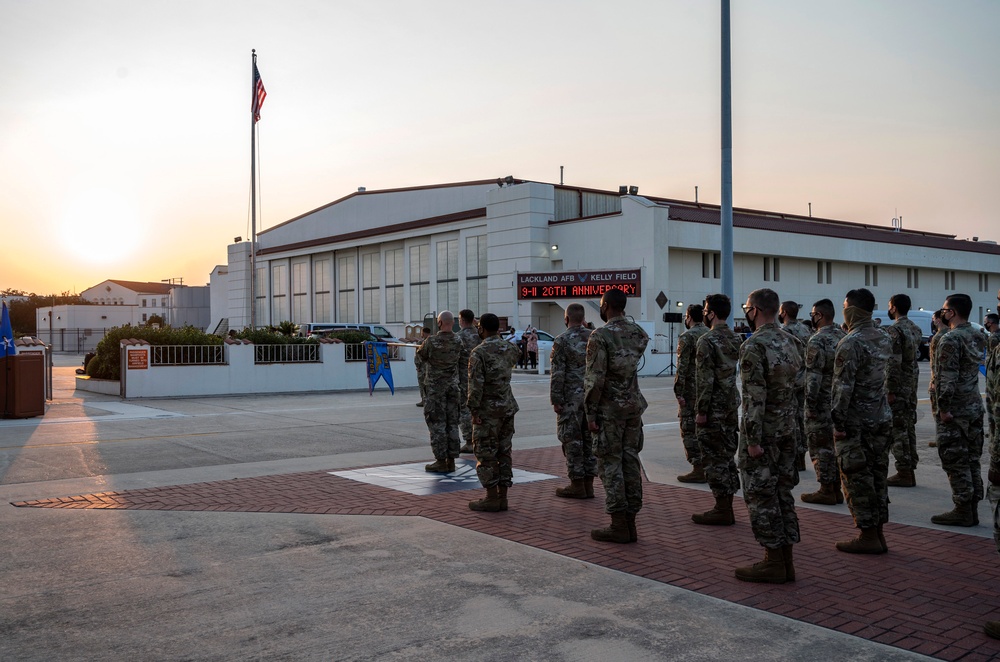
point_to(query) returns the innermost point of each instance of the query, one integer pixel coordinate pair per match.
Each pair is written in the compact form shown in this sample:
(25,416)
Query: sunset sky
(125,126)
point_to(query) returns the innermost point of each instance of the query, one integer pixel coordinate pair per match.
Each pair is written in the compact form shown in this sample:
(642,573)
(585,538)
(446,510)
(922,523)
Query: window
(475,273)
(144,317)
(260,291)
(710,265)
(371,308)
(300,295)
(824,272)
(984,283)
(394,285)
(143,303)
(913,278)
(871,275)
(321,287)
(420,281)
(949,280)
(447,275)
(279,293)
(347,279)
(772,268)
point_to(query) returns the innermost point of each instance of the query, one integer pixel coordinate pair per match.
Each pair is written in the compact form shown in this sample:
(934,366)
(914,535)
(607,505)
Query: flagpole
(253,193)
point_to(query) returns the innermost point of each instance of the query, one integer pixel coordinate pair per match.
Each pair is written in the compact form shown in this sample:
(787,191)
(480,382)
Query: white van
(319,328)
(921,318)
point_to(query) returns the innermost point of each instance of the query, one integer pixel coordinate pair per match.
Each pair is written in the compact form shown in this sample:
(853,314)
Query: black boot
(617,532)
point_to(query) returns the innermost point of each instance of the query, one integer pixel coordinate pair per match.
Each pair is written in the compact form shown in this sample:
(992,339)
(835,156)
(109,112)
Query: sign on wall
(577,284)
(138,359)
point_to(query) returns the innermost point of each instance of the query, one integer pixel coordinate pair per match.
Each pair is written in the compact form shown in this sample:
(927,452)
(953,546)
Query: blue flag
(6,333)
(378,365)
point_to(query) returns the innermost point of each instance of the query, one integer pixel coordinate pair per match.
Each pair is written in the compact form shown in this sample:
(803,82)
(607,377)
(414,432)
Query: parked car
(921,318)
(544,340)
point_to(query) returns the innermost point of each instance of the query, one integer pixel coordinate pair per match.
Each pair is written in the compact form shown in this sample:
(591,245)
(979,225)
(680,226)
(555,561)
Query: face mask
(709,319)
(752,323)
(854,316)
(781,319)
(604,314)
(892,315)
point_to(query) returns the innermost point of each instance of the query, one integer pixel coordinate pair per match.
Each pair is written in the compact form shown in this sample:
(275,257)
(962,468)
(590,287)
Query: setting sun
(99,226)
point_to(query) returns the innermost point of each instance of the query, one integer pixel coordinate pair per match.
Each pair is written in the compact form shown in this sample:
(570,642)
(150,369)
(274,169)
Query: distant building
(392,256)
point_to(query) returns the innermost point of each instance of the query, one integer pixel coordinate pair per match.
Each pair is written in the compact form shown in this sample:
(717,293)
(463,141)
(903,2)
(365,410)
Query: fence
(308,353)
(79,341)
(187,355)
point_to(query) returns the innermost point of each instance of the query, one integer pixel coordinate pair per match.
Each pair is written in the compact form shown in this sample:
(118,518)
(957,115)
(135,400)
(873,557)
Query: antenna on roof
(560,175)
(897,222)
(696,195)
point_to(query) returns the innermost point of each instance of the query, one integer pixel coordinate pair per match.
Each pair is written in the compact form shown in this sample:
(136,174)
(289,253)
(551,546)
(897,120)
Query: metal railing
(187,355)
(356,352)
(307,353)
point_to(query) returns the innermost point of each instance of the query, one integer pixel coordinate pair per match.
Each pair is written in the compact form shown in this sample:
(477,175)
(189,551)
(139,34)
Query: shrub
(350,336)
(106,363)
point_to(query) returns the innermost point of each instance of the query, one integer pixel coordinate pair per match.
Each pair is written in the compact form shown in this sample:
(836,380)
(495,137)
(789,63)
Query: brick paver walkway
(930,594)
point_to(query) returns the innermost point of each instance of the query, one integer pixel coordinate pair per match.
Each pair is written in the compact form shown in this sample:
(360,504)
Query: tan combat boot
(769,571)
(961,515)
(588,483)
(720,515)
(633,536)
(902,478)
(867,542)
(696,475)
(451,464)
(881,538)
(502,495)
(827,495)
(438,467)
(617,532)
(786,551)
(490,504)
(575,490)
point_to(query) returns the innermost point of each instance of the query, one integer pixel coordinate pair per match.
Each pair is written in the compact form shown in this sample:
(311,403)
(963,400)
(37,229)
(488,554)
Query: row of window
(380,274)
(710,268)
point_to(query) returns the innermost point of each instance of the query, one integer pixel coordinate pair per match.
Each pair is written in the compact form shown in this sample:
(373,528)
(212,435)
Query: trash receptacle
(22,385)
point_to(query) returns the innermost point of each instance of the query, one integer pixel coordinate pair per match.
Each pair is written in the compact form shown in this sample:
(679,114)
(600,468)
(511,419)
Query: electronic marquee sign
(577,284)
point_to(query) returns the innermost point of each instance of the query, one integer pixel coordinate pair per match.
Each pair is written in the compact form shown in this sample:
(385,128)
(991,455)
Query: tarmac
(302,527)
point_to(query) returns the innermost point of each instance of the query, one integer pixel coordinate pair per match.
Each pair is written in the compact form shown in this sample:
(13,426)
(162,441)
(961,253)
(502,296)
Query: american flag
(258,95)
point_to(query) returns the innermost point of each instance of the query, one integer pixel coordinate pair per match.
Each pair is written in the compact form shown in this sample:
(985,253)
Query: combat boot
(827,495)
(617,532)
(881,538)
(720,515)
(630,520)
(867,542)
(451,465)
(575,490)
(491,504)
(588,484)
(961,515)
(696,475)
(902,478)
(786,550)
(800,462)
(992,628)
(467,448)
(769,571)
(438,467)
(932,444)
(502,495)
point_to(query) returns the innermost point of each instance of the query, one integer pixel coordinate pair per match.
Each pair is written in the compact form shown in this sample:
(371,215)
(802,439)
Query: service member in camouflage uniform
(614,406)
(418,364)
(771,371)
(938,329)
(992,324)
(568,367)
(716,406)
(441,354)
(901,377)
(820,351)
(959,411)
(862,422)
(788,316)
(684,383)
(469,336)
(492,406)
(992,628)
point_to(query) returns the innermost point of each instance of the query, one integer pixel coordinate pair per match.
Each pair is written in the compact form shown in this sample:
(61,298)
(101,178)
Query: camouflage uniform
(470,338)
(993,397)
(801,333)
(992,342)
(440,354)
(931,348)
(820,351)
(684,387)
(901,380)
(491,400)
(613,400)
(771,372)
(860,410)
(418,363)
(569,365)
(719,400)
(956,382)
